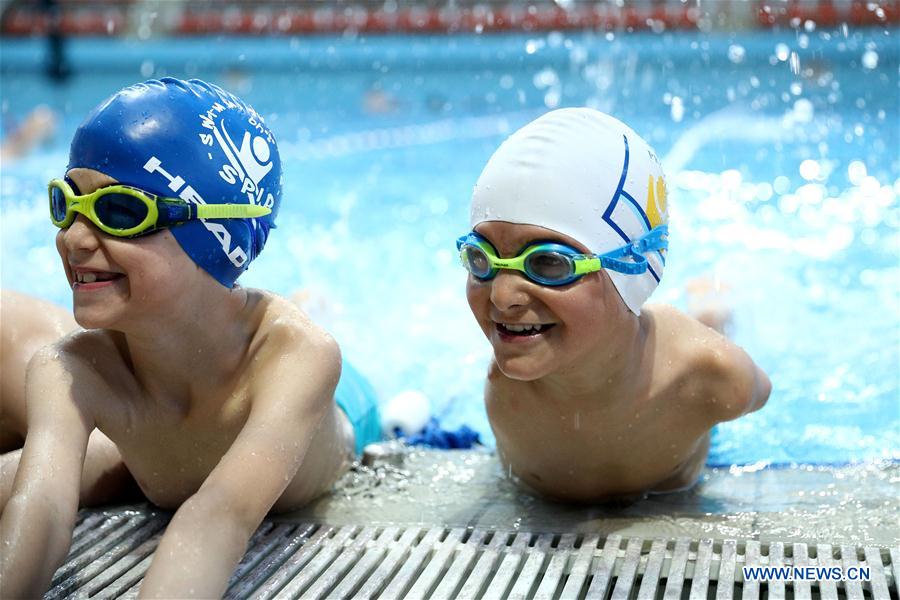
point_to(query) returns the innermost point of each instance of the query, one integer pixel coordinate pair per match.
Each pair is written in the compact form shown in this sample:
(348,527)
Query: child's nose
(81,235)
(509,289)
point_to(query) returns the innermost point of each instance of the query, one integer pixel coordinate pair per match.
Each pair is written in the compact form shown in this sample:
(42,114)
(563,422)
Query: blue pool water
(783,166)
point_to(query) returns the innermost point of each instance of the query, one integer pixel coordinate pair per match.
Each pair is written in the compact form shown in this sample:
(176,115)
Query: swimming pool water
(783,168)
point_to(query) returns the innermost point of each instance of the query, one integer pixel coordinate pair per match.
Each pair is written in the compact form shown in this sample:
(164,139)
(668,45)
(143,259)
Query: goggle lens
(475,261)
(549,267)
(57,204)
(120,211)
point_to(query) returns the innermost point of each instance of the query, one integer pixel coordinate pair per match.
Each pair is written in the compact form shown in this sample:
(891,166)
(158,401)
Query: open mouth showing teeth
(523,330)
(93,277)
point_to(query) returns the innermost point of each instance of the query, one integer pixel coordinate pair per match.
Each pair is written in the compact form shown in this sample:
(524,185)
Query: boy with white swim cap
(220,399)
(590,394)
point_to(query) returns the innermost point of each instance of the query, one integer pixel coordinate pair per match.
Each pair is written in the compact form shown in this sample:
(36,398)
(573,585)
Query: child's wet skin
(591,393)
(559,324)
(206,389)
(79,240)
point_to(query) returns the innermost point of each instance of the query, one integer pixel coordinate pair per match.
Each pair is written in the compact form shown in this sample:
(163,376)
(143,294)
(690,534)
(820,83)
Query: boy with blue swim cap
(590,394)
(140,138)
(219,399)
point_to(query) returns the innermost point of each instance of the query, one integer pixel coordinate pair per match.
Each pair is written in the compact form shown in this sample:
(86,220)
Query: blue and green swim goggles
(127,212)
(554,264)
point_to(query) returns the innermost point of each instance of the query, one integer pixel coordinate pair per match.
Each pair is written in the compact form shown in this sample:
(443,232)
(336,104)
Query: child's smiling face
(116,280)
(566,322)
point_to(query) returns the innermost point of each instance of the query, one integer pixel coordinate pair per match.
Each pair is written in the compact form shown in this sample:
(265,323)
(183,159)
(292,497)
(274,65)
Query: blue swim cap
(195,141)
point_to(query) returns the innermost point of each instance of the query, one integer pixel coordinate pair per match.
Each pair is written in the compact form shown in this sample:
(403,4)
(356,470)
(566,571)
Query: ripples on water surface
(782,159)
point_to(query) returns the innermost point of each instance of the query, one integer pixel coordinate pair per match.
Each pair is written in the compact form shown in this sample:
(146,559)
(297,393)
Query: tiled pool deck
(858,504)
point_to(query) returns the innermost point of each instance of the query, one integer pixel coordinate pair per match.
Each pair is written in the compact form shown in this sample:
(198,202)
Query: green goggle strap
(585,265)
(227,211)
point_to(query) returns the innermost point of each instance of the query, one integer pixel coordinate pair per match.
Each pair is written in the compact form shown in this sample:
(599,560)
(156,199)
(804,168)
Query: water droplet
(795,63)
(870,60)
(736,53)
(677,110)
(782,52)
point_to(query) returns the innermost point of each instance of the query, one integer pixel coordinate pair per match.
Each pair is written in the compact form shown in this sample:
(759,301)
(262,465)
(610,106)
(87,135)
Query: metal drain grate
(111,552)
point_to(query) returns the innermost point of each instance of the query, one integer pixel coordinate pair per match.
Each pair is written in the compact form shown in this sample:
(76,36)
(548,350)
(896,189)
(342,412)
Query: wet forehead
(509,238)
(89,180)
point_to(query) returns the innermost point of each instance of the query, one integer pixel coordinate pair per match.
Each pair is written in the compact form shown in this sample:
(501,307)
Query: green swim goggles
(127,212)
(555,264)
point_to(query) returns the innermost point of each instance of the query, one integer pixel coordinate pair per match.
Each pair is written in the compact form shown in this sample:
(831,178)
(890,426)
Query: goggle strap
(655,239)
(629,268)
(588,265)
(170,213)
(231,211)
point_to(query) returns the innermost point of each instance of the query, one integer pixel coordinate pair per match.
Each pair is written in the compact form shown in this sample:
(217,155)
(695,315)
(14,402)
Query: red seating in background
(828,13)
(518,17)
(269,17)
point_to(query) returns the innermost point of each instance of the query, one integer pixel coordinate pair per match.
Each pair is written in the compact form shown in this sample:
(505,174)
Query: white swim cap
(586,175)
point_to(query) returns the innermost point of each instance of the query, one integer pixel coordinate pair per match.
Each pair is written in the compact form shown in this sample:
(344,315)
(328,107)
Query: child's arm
(36,527)
(737,385)
(209,533)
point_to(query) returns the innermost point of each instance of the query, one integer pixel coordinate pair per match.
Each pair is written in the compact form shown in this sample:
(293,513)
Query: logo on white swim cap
(586,175)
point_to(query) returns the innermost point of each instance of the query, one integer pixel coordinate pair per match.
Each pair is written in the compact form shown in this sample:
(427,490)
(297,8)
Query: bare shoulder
(90,341)
(91,351)
(79,370)
(710,368)
(285,327)
(288,347)
(680,333)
